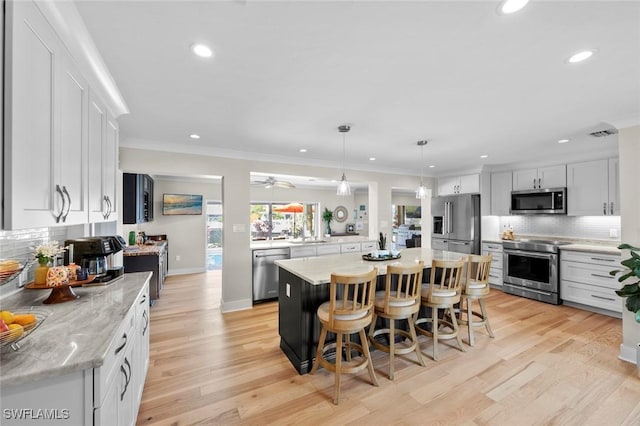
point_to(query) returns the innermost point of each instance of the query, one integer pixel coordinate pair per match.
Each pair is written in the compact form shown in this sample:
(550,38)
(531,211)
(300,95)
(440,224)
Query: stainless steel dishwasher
(265,273)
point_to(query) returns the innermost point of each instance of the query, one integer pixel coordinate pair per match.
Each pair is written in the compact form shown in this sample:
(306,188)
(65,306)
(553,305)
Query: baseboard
(236,305)
(185,271)
(628,353)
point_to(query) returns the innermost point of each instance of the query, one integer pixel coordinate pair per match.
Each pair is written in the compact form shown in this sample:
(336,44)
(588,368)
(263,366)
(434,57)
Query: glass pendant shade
(421,192)
(343,187)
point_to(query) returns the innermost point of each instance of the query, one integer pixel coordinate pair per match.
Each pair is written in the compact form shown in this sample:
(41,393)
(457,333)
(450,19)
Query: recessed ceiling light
(202,50)
(303,150)
(372,158)
(563,141)
(194,136)
(432,166)
(484,156)
(580,56)
(508,7)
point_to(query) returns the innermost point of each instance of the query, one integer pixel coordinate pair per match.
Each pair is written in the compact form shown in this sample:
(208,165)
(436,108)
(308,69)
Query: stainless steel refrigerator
(456,223)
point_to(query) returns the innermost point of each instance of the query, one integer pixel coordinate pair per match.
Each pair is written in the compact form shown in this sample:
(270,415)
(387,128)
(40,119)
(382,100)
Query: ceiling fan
(271,182)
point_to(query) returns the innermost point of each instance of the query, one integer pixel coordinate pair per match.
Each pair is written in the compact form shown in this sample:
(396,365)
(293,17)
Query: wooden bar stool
(348,311)
(476,288)
(399,301)
(442,293)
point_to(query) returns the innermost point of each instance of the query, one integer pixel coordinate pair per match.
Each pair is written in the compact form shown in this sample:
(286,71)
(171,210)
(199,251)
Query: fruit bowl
(12,337)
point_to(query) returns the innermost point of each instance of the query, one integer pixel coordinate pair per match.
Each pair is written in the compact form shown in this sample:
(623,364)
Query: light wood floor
(547,365)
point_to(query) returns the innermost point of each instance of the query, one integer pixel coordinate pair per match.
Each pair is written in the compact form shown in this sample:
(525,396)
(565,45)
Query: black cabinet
(137,198)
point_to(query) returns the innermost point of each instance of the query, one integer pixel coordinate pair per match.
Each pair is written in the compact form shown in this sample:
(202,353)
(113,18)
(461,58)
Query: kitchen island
(149,257)
(304,285)
(86,362)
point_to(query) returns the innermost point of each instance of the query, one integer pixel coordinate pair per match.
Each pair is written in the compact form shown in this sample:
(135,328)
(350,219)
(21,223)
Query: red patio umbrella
(290,208)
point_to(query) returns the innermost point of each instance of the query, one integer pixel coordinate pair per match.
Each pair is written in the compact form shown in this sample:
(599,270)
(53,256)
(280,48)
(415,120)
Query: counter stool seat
(399,301)
(442,292)
(476,288)
(348,311)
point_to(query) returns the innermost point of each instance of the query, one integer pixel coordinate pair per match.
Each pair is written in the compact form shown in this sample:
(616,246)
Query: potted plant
(327,216)
(632,270)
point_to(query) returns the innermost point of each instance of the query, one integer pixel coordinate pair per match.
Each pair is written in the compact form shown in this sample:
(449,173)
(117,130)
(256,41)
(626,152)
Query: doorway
(214,226)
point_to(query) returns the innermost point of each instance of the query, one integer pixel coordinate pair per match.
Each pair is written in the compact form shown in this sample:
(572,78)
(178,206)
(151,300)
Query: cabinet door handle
(534,183)
(64,191)
(611,205)
(127,378)
(106,203)
(59,191)
(121,347)
(604,208)
(126,381)
(603,276)
(539,183)
(602,259)
(146,322)
(110,207)
(603,298)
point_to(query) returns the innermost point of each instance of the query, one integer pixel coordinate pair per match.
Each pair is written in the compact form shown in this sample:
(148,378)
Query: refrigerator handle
(450,217)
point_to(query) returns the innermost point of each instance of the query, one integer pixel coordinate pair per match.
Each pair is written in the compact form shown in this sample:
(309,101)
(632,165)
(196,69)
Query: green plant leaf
(625,246)
(629,290)
(633,303)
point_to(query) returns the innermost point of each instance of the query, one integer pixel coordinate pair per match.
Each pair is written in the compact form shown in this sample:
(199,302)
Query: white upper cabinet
(543,177)
(592,188)
(48,124)
(501,184)
(103,146)
(45,105)
(459,184)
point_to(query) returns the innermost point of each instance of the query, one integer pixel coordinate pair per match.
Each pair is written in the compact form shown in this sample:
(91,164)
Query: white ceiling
(286,74)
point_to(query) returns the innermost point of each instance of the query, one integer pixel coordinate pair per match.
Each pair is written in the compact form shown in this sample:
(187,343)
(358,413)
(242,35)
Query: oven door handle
(530,254)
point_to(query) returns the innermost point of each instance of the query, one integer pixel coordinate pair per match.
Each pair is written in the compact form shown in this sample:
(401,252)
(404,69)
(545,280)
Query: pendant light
(421,192)
(343,187)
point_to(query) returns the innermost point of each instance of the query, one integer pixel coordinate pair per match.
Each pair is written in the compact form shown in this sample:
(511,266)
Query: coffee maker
(96,254)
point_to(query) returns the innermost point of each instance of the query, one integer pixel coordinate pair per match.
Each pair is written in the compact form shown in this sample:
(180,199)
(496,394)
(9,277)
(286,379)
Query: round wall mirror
(340,214)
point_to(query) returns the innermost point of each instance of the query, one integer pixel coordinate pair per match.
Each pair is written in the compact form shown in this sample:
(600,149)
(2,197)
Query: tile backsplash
(19,244)
(583,227)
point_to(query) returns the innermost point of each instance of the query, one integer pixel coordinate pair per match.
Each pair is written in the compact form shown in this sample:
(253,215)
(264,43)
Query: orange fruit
(24,319)
(15,331)
(6,316)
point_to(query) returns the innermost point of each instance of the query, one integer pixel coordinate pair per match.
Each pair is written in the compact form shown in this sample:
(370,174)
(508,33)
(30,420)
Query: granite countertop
(317,270)
(145,250)
(257,245)
(74,336)
(575,244)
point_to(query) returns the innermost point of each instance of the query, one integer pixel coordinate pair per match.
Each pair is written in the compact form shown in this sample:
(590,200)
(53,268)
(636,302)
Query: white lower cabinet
(105,396)
(585,279)
(495,273)
(325,249)
(350,248)
(369,245)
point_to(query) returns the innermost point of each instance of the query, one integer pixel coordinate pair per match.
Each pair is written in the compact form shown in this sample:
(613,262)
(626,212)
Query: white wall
(236,197)
(186,234)
(629,152)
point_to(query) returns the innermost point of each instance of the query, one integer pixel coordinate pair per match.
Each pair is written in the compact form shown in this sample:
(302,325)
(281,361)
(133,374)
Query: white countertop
(318,270)
(591,246)
(74,336)
(257,245)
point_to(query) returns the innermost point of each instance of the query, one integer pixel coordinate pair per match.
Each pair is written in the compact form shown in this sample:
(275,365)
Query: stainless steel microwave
(539,201)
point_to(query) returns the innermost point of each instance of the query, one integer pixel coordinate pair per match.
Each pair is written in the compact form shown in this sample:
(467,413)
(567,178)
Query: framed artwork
(181,204)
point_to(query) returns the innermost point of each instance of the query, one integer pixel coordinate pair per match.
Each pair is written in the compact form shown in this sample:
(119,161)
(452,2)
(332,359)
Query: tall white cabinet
(48,154)
(592,188)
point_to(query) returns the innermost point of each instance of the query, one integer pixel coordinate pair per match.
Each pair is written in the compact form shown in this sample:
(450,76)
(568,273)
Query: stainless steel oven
(531,269)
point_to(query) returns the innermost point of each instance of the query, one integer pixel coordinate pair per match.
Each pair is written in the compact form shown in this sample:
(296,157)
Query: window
(279,221)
